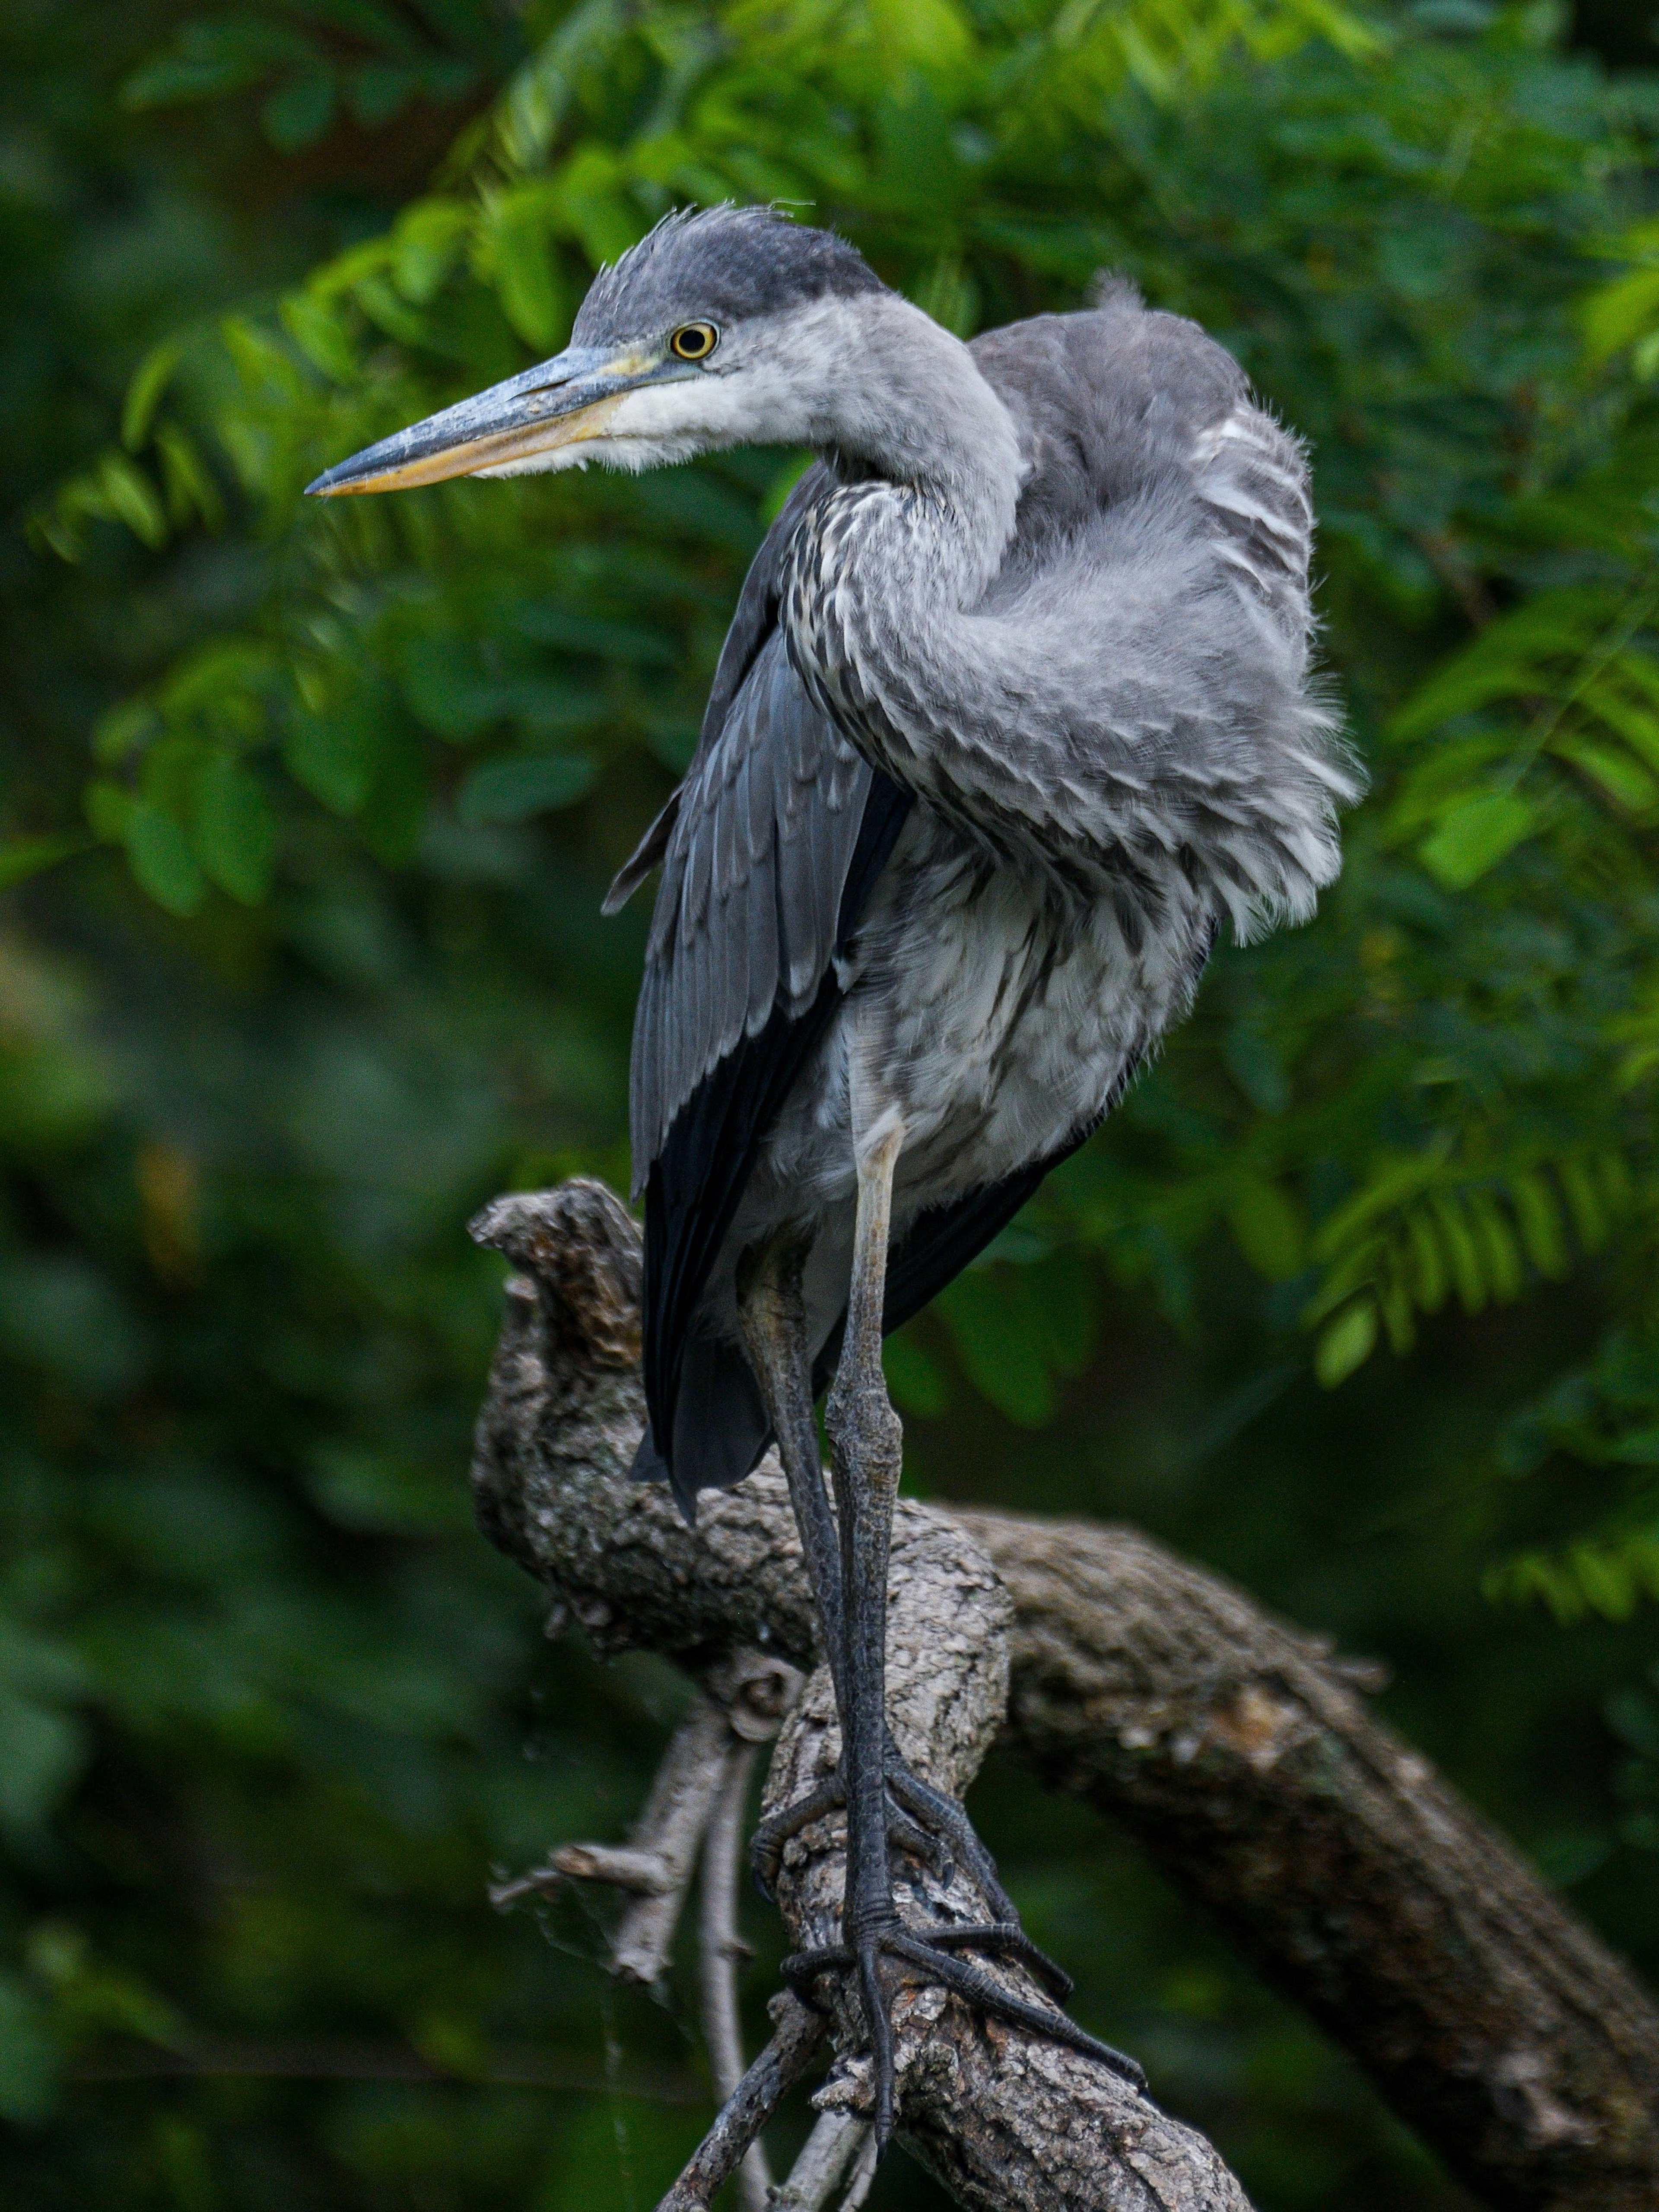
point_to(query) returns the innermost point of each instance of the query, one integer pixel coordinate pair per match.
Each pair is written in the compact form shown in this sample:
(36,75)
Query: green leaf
(30,2061)
(235,830)
(317,328)
(528,783)
(1621,312)
(1626,782)
(123,729)
(31,856)
(1388,1188)
(43,1751)
(108,805)
(132,499)
(1430,1280)
(300,112)
(158,854)
(1499,1250)
(999,1343)
(918,1383)
(1513,658)
(427,242)
(191,493)
(149,382)
(1473,834)
(1269,1229)
(1396,1303)
(1543,1232)
(333,754)
(527,270)
(395,809)
(1584,1202)
(1463,1257)
(1345,1343)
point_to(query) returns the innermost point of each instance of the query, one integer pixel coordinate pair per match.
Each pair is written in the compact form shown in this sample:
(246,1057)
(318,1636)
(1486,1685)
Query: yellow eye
(694,340)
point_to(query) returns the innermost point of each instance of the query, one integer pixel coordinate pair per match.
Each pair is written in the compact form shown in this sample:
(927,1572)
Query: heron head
(723,326)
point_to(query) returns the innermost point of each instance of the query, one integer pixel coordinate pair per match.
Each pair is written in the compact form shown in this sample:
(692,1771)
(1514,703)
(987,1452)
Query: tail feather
(721,1431)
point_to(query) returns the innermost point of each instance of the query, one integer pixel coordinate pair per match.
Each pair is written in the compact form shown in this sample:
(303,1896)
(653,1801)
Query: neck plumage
(1128,715)
(928,472)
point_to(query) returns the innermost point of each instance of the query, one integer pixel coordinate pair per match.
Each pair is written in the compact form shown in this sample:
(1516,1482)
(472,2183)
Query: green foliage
(306,816)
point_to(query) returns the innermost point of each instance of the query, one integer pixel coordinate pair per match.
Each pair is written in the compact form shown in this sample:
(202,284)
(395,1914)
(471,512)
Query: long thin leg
(847,1557)
(773,1317)
(867,1451)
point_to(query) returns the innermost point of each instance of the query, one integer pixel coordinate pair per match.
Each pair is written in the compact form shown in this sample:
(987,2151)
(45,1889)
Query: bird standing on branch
(1015,709)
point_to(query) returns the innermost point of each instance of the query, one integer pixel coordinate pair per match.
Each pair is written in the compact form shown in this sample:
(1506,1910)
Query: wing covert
(754,866)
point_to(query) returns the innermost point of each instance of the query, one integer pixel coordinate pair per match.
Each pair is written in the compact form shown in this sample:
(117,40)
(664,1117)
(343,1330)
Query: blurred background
(305,818)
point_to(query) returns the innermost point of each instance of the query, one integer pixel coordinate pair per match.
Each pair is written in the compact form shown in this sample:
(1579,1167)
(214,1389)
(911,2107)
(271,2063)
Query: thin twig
(796,2035)
(656,1865)
(836,2145)
(677,1815)
(721,1951)
(864,2173)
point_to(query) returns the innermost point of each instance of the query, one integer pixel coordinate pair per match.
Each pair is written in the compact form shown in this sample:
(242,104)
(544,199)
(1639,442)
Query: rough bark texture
(1237,1749)
(1490,2018)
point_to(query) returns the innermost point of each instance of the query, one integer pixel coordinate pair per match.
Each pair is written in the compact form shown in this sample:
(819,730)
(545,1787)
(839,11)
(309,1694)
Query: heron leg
(877,1947)
(773,1318)
(772,1315)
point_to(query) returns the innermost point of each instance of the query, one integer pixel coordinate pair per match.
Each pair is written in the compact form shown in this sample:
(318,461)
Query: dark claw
(878,2025)
(909,1835)
(766,1845)
(1006,1939)
(932,1826)
(976,1987)
(950,1817)
(933,1955)
(800,1970)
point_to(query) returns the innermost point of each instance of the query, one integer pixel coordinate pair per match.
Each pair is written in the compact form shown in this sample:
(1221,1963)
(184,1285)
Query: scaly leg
(773,1318)
(866,1445)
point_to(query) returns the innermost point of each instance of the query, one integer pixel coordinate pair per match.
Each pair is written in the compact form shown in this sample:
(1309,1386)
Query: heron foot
(891,1954)
(930,1825)
(904,1833)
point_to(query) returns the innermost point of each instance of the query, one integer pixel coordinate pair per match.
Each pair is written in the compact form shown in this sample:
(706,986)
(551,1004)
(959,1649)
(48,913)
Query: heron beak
(566,401)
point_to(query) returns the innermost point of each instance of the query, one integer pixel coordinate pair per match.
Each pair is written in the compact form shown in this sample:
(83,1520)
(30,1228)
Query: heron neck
(888,567)
(919,424)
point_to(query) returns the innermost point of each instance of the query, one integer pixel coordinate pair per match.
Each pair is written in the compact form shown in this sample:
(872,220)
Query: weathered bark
(1237,1749)
(1362,1886)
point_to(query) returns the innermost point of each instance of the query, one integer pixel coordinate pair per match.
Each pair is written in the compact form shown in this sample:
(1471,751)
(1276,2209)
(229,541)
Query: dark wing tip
(647,854)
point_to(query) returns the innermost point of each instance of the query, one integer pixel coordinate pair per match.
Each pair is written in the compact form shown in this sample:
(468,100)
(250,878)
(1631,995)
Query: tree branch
(1235,1747)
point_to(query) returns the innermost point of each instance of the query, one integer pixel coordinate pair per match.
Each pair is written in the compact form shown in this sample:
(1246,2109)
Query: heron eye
(694,340)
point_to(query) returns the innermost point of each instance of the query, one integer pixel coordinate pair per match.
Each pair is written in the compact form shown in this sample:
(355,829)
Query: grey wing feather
(753,876)
(754,849)
(752,622)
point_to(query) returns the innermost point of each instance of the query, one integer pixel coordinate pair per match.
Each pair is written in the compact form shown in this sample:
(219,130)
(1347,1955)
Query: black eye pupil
(695,342)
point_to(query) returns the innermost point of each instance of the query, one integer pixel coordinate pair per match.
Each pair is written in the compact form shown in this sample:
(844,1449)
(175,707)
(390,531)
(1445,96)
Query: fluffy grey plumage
(1016,708)
(1054,585)
(1014,712)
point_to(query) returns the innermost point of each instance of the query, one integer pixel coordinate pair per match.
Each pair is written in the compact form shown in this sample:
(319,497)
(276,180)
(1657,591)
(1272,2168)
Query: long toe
(905,1832)
(944,1820)
(766,1845)
(972,1984)
(934,1957)
(1006,1939)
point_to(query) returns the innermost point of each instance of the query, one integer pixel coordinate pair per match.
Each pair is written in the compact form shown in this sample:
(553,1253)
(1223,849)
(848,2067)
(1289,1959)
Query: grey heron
(1015,710)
